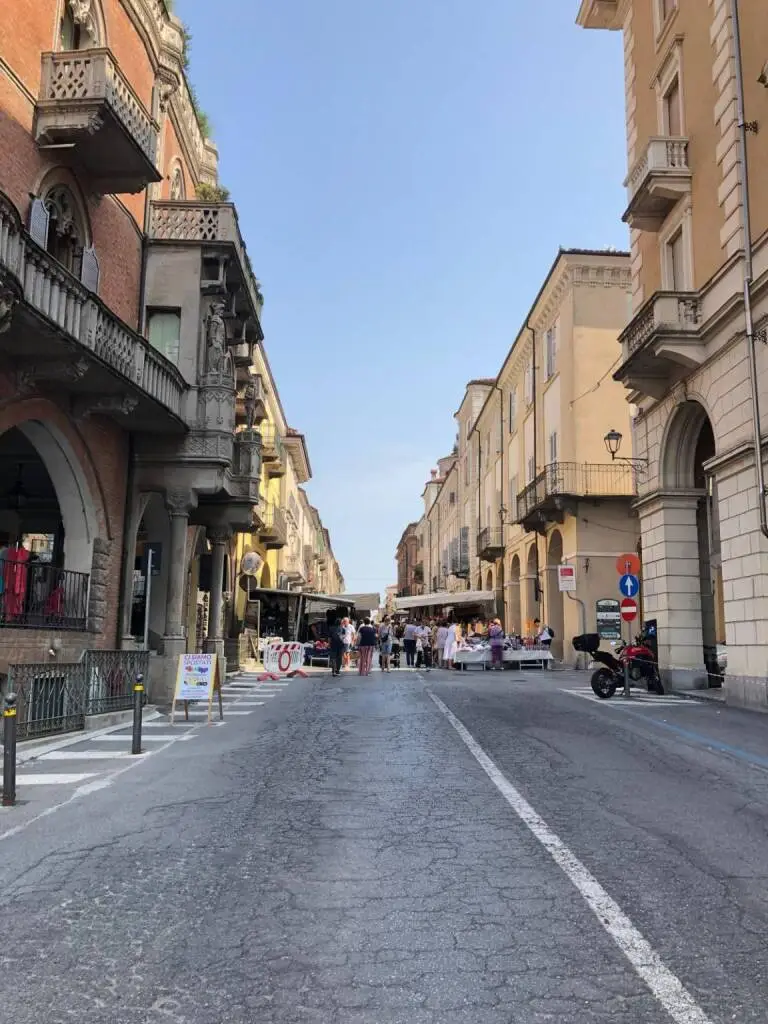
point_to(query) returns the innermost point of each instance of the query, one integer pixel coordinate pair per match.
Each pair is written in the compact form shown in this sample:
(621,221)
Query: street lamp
(613,441)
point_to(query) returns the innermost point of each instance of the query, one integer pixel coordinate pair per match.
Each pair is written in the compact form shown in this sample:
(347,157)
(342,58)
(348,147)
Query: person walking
(385,643)
(337,642)
(451,642)
(366,641)
(349,639)
(544,635)
(496,637)
(440,638)
(409,643)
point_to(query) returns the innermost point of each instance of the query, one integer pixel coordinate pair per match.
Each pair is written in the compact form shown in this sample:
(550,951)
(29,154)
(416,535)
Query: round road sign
(629,609)
(628,565)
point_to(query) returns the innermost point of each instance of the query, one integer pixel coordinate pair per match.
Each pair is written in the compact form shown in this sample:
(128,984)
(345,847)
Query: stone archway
(515,623)
(554,599)
(489,580)
(531,609)
(691,621)
(35,442)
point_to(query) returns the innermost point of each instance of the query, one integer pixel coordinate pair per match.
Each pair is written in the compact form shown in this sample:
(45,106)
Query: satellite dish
(251,563)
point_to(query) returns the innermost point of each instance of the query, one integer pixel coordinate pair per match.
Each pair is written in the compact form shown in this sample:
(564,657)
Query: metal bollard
(9,750)
(138,702)
(626,678)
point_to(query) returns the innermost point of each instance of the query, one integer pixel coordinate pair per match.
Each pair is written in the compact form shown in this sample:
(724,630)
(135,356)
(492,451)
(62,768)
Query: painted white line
(636,700)
(52,779)
(165,724)
(70,740)
(665,985)
(204,714)
(250,703)
(88,755)
(152,738)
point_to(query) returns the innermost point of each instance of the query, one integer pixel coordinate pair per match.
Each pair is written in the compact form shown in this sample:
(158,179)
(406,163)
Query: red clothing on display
(15,577)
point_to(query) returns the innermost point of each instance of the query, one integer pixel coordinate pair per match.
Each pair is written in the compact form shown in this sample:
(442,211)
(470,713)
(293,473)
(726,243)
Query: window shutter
(89,273)
(38,222)
(464,549)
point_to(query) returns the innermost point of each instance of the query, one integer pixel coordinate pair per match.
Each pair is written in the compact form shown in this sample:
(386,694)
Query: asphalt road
(428,849)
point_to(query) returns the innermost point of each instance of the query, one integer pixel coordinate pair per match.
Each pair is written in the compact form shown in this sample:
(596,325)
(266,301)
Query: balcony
(213,227)
(272,450)
(273,529)
(88,111)
(599,14)
(246,465)
(661,344)
(657,181)
(58,335)
(490,544)
(49,598)
(309,562)
(559,488)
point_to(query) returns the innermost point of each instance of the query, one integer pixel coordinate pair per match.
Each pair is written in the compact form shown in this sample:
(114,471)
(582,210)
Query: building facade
(410,580)
(531,485)
(691,360)
(138,437)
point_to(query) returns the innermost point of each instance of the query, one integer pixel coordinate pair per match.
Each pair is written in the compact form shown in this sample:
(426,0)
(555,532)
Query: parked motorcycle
(609,676)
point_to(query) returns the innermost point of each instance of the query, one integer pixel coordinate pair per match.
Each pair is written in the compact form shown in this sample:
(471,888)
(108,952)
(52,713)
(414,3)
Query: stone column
(672,583)
(214,644)
(179,505)
(135,512)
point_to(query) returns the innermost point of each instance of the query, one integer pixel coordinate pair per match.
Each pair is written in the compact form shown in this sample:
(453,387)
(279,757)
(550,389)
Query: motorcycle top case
(586,643)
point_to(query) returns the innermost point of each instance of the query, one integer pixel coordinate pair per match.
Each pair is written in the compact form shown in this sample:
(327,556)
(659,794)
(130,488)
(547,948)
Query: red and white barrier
(283,659)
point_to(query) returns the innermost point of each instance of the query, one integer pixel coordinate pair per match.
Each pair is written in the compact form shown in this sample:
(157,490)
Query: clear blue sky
(404,171)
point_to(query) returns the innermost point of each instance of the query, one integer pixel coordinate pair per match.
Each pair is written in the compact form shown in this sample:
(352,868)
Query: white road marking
(251,703)
(164,724)
(636,700)
(52,779)
(204,714)
(152,738)
(665,985)
(88,755)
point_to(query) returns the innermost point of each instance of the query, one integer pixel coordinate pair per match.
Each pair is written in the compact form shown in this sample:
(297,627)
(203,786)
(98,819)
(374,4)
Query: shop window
(164,332)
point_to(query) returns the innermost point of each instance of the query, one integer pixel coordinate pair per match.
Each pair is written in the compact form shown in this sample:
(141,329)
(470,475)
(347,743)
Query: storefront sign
(608,616)
(197,679)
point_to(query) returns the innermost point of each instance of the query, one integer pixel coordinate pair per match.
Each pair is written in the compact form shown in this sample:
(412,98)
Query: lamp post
(613,441)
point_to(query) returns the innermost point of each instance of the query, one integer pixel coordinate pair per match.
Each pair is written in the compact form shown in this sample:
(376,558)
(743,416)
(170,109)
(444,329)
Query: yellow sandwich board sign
(197,680)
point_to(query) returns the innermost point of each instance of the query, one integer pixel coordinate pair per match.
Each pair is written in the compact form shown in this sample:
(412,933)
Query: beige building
(689,356)
(532,485)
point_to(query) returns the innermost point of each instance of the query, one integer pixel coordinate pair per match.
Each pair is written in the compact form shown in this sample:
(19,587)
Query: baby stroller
(424,656)
(394,658)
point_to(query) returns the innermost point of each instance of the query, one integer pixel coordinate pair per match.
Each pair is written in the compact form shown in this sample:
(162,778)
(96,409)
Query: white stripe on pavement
(87,755)
(152,738)
(52,779)
(665,985)
(204,714)
(250,703)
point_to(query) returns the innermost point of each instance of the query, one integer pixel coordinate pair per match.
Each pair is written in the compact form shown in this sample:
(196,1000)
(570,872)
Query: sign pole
(147,595)
(626,667)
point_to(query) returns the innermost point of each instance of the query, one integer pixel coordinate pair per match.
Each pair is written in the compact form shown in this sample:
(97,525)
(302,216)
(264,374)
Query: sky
(404,172)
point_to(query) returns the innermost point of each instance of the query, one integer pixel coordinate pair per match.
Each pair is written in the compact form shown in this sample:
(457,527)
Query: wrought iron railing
(42,596)
(273,521)
(110,677)
(55,698)
(272,447)
(490,539)
(577,480)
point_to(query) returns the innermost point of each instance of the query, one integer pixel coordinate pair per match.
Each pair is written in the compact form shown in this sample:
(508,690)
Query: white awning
(444,598)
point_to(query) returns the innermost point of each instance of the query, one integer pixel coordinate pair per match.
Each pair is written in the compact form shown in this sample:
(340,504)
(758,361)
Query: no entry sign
(629,609)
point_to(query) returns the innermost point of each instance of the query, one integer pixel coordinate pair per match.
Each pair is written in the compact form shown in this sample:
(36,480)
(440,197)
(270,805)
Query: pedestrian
(337,642)
(496,637)
(385,643)
(409,643)
(544,635)
(440,637)
(366,641)
(451,641)
(349,639)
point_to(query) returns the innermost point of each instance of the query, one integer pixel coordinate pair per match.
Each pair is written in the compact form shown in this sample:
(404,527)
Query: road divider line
(666,986)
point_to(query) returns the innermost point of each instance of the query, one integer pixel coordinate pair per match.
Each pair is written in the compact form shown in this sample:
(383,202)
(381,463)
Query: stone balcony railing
(87,105)
(80,317)
(662,343)
(246,463)
(274,527)
(665,313)
(659,178)
(206,223)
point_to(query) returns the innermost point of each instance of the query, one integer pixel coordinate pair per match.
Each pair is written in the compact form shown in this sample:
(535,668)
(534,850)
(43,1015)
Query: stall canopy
(444,599)
(364,603)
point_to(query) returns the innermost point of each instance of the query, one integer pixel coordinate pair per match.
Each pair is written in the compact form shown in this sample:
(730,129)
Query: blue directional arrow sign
(629,585)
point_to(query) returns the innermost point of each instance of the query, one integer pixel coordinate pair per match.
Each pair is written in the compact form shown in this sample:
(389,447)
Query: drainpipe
(535,447)
(747,229)
(501,514)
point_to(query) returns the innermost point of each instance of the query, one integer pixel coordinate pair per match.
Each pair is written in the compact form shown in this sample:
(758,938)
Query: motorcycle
(609,674)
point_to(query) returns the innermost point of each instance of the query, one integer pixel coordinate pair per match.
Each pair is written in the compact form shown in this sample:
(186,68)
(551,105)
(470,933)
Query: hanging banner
(197,680)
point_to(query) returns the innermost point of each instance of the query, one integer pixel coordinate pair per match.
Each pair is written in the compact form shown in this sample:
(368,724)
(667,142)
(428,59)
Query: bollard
(626,678)
(9,750)
(138,701)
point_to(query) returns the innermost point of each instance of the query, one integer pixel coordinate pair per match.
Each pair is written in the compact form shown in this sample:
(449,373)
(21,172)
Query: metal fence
(55,698)
(40,596)
(576,480)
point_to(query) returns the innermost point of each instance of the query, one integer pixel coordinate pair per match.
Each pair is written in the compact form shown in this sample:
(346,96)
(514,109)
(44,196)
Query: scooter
(609,674)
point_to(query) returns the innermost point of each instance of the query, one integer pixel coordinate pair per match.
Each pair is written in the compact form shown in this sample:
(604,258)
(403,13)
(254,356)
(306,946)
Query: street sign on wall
(566,578)
(608,617)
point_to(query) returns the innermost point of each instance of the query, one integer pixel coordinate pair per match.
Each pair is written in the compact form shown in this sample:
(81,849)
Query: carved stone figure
(249,400)
(216,337)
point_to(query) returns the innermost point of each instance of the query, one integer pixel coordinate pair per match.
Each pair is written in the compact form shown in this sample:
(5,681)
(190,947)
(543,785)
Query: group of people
(425,644)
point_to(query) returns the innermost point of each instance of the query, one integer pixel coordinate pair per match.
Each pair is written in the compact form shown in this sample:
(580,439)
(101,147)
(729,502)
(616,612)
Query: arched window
(79,27)
(65,239)
(178,191)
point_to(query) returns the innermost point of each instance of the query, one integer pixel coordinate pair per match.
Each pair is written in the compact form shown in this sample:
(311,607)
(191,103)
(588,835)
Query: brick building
(131,345)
